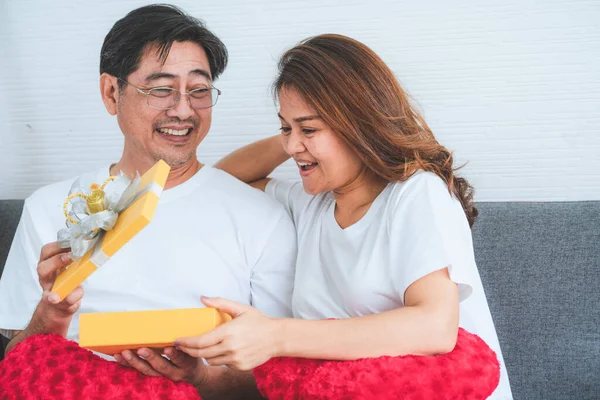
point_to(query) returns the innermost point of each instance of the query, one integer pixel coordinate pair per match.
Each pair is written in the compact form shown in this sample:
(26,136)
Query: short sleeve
(20,291)
(290,194)
(429,231)
(272,278)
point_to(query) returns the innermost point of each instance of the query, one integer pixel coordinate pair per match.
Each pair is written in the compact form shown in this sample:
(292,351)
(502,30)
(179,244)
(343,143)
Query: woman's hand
(248,341)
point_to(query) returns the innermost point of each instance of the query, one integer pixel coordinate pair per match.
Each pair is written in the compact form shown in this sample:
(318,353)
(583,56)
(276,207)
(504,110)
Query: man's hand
(211,382)
(177,367)
(53,315)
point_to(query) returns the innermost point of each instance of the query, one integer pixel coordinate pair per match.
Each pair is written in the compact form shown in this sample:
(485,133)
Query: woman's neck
(354,199)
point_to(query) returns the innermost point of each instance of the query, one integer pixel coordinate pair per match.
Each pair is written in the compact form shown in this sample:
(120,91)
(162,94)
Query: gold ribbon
(94,201)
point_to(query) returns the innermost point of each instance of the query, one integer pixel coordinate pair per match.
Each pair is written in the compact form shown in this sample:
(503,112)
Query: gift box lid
(129,223)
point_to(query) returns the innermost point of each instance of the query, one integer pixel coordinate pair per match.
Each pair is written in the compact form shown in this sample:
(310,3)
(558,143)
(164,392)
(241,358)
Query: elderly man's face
(172,135)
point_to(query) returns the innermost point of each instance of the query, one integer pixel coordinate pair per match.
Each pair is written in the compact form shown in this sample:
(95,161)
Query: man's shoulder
(49,197)
(52,192)
(239,193)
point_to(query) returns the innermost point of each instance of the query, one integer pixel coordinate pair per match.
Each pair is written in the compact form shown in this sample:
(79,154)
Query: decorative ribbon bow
(95,211)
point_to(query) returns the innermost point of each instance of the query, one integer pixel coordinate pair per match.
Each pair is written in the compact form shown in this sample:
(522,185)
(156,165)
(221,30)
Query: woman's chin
(312,189)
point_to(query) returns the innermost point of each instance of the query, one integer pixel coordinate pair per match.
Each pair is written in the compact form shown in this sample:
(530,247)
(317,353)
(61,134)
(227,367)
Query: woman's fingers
(206,353)
(230,307)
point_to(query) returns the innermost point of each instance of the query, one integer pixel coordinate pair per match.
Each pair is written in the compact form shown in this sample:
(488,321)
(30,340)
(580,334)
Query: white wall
(512,86)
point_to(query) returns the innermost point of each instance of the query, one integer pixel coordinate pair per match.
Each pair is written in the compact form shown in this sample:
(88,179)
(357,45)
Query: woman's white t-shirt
(412,228)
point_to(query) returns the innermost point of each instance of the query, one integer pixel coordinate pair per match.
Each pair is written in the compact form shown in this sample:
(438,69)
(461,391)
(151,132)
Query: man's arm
(221,379)
(51,315)
(20,286)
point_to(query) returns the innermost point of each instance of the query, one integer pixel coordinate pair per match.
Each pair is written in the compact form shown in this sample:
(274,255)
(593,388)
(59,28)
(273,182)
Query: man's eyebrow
(165,75)
(301,119)
(201,72)
(159,75)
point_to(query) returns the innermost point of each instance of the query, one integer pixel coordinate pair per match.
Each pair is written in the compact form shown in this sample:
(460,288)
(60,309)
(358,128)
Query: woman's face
(324,160)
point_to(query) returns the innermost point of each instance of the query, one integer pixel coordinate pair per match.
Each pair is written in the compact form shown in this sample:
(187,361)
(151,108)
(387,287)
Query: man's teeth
(167,131)
(304,164)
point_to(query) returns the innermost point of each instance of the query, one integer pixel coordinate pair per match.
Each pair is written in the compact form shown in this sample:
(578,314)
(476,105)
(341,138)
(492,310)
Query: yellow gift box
(129,223)
(111,333)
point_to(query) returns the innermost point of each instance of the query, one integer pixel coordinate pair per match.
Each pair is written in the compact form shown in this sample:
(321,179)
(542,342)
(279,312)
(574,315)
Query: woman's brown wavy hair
(359,97)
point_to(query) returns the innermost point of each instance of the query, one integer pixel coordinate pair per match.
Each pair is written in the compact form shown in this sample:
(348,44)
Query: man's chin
(175,161)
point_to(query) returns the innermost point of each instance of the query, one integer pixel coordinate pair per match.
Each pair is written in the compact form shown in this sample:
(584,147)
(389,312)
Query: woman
(383,223)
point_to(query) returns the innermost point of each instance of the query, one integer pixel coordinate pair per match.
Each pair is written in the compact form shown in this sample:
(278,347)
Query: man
(211,234)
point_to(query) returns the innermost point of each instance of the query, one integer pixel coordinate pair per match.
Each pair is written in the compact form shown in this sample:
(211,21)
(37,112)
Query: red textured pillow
(51,367)
(470,371)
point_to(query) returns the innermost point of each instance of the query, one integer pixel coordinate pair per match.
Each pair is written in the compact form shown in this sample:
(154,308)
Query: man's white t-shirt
(210,236)
(411,229)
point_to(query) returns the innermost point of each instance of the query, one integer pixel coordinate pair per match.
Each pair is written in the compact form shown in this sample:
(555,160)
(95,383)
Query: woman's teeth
(306,166)
(175,132)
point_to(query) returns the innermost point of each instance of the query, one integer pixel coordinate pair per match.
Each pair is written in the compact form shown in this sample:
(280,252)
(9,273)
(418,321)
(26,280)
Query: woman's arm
(254,162)
(427,325)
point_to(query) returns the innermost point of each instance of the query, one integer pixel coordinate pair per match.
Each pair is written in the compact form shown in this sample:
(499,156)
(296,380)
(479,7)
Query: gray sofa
(540,265)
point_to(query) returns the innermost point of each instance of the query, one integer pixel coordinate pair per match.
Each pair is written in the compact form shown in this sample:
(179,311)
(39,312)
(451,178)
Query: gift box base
(111,333)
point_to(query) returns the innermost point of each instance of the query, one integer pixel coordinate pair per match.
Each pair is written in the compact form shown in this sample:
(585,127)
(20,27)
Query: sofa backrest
(10,213)
(540,266)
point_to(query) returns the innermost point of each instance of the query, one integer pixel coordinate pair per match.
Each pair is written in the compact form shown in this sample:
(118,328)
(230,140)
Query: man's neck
(178,174)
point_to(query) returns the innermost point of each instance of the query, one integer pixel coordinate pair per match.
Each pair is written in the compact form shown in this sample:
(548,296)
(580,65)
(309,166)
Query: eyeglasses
(165,98)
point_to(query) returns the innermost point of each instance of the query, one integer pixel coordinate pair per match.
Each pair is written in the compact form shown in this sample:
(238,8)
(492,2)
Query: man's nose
(182,110)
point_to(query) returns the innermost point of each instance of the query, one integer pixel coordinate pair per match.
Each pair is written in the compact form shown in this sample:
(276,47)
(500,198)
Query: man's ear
(109,89)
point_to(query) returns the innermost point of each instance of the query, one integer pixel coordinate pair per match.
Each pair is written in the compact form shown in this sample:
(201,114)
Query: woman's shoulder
(425,197)
(422,185)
